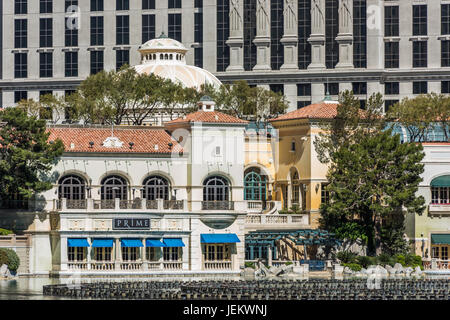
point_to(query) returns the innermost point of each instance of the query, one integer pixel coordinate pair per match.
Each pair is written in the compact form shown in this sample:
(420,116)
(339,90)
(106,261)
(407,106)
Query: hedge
(10,258)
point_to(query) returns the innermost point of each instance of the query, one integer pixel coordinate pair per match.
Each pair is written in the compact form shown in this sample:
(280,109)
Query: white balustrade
(217,265)
(172,265)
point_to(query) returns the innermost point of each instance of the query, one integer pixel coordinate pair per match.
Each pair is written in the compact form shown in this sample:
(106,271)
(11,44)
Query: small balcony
(217,205)
(118,205)
(439,208)
(217,265)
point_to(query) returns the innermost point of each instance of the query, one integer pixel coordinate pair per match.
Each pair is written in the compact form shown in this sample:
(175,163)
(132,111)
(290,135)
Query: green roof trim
(440,238)
(442,181)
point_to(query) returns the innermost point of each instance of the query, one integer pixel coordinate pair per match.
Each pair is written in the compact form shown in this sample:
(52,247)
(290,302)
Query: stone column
(269,256)
(317,38)
(290,91)
(262,39)
(236,39)
(118,257)
(345,36)
(290,37)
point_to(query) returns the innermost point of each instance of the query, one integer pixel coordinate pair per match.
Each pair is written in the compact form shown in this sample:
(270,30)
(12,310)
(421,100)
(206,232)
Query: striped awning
(80,243)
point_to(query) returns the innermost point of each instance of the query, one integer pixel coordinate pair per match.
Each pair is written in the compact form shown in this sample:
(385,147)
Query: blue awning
(440,239)
(131,243)
(173,242)
(83,243)
(442,181)
(219,238)
(102,243)
(154,243)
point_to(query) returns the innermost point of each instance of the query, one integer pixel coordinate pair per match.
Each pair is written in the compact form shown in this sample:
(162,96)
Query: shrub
(3,257)
(400,258)
(250,265)
(288,263)
(365,261)
(346,256)
(4,232)
(385,259)
(12,259)
(353,266)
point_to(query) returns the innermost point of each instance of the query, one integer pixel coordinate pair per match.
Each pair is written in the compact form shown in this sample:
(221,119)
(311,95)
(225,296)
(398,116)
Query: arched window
(156,187)
(216,189)
(161,57)
(255,185)
(72,187)
(154,57)
(295,184)
(440,190)
(114,187)
(166,56)
(171,57)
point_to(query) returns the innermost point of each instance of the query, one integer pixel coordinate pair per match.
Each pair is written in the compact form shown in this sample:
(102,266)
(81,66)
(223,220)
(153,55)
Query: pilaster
(345,36)
(262,39)
(290,37)
(236,39)
(317,38)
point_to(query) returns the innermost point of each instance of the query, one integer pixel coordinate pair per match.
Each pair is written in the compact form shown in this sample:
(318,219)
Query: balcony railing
(217,265)
(104,204)
(217,205)
(131,266)
(103,266)
(130,204)
(173,204)
(276,219)
(77,266)
(152,204)
(76,204)
(440,264)
(172,265)
(439,208)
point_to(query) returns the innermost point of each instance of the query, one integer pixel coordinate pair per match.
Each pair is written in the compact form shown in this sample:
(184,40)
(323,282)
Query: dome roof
(163,44)
(166,58)
(188,76)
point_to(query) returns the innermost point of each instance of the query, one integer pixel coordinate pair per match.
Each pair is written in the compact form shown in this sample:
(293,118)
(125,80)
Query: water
(31,288)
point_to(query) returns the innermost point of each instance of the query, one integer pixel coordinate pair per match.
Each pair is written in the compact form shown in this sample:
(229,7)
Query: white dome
(166,58)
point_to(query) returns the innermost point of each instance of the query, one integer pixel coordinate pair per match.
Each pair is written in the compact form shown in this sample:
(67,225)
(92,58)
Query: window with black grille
(46,64)
(20,33)
(360,33)
(359,88)
(71,35)
(148,4)
(96,5)
(445,18)
(223,32)
(174,4)
(331,32)
(304,32)
(20,95)
(96,61)
(420,87)
(249,34)
(175,26)
(445,53)
(391,21)
(122,4)
(45,6)
(391,88)
(46,32)
(97,31)
(420,20)
(198,38)
(71,64)
(20,6)
(277,31)
(20,65)
(122,30)
(391,55)
(122,58)
(303,89)
(445,86)
(148,27)
(420,54)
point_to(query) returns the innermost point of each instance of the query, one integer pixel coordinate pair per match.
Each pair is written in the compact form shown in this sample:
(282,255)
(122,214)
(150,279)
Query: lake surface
(31,288)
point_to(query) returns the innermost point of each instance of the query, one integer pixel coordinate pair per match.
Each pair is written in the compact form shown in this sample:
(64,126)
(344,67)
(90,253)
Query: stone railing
(77,266)
(118,204)
(172,265)
(131,266)
(276,219)
(102,266)
(151,204)
(436,264)
(130,204)
(443,208)
(217,265)
(217,205)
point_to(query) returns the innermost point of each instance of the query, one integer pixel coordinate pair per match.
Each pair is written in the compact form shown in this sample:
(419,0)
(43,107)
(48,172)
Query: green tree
(25,154)
(373,177)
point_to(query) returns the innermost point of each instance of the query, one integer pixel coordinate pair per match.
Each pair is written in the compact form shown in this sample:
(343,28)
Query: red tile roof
(320,110)
(208,117)
(144,140)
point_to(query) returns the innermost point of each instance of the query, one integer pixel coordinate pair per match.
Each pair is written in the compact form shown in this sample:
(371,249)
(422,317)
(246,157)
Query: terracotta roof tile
(320,110)
(208,117)
(144,140)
